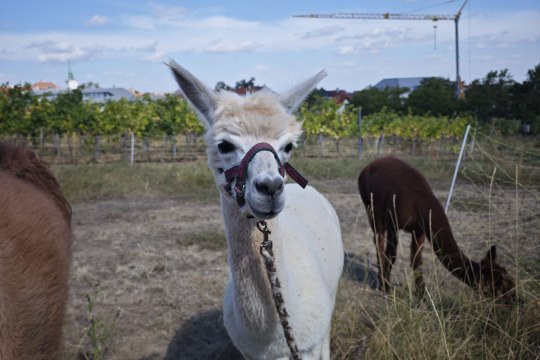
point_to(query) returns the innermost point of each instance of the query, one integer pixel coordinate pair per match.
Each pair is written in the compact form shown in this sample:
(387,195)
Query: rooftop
(408,82)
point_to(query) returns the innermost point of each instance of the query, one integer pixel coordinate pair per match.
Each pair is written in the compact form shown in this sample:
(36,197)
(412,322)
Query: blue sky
(124,43)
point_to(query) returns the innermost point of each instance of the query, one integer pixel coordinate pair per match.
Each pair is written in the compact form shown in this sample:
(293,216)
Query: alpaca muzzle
(238,174)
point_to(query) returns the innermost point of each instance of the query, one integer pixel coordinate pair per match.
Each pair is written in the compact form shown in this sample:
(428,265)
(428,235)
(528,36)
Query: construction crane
(390,16)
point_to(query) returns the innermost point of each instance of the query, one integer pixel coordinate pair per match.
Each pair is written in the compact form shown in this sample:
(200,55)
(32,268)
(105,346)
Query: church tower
(72,84)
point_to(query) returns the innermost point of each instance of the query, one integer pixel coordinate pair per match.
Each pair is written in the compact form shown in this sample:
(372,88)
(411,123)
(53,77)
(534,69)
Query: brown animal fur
(397,196)
(35,256)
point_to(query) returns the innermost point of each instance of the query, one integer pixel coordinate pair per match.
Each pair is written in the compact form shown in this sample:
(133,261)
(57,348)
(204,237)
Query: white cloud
(220,46)
(168,12)
(51,46)
(97,20)
(143,22)
(321,32)
(158,56)
(291,43)
(221,23)
(346,50)
(191,35)
(149,47)
(76,54)
(62,51)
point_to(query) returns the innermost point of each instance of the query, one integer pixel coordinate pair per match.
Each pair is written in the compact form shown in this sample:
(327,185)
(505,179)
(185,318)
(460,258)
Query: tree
(89,85)
(315,99)
(41,112)
(220,85)
(68,111)
(527,97)
(373,100)
(435,96)
(243,84)
(16,106)
(491,97)
(324,118)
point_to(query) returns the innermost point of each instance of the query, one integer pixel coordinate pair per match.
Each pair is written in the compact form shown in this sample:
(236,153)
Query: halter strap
(239,172)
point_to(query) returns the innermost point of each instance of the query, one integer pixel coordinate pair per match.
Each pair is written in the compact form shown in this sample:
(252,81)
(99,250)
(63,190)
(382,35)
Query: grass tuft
(443,326)
(208,240)
(189,181)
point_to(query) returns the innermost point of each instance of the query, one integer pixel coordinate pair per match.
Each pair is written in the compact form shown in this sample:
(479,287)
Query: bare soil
(158,269)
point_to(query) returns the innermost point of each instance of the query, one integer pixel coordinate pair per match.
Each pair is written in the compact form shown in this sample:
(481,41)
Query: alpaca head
(495,280)
(234,125)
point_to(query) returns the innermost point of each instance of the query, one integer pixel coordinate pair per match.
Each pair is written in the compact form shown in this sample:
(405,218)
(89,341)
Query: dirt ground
(157,270)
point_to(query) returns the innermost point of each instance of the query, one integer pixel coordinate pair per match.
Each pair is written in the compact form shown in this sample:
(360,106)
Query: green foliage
(414,127)
(430,112)
(41,111)
(25,114)
(505,126)
(373,100)
(379,123)
(435,96)
(332,121)
(491,97)
(527,98)
(68,111)
(15,105)
(328,119)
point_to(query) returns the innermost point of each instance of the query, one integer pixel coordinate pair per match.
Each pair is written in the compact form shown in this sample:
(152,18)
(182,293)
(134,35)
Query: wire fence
(128,148)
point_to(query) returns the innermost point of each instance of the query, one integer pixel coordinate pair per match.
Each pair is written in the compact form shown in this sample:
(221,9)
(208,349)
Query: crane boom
(384,16)
(389,16)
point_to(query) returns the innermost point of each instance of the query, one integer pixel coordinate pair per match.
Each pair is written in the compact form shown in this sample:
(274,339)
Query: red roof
(44,85)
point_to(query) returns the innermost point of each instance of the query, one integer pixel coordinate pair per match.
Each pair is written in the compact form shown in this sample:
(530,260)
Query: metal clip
(267,243)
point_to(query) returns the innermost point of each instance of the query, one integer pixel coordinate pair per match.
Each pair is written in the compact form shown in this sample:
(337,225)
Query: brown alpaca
(397,196)
(35,256)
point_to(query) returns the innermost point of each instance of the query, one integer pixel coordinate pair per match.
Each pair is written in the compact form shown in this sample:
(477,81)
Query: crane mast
(390,16)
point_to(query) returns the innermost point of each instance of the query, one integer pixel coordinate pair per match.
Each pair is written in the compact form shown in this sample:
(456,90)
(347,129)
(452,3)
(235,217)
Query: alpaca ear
(201,98)
(293,98)
(491,255)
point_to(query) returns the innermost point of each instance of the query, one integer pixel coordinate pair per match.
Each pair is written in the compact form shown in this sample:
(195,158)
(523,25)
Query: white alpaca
(305,230)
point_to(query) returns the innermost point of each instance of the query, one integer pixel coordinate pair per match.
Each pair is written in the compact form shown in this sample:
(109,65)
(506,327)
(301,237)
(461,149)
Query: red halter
(239,172)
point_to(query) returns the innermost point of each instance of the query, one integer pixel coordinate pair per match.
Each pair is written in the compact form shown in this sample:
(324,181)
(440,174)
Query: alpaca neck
(448,251)
(252,293)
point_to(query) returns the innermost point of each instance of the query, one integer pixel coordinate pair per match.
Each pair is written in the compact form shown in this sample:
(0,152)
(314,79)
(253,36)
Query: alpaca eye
(226,147)
(288,148)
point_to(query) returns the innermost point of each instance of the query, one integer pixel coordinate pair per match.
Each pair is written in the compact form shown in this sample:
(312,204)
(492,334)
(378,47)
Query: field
(150,268)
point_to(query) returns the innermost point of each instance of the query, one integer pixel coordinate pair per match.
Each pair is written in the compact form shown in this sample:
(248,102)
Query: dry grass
(446,325)
(153,265)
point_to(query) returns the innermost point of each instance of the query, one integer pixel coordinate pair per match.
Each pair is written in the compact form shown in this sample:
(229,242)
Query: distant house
(243,91)
(410,83)
(102,95)
(92,94)
(339,96)
(44,86)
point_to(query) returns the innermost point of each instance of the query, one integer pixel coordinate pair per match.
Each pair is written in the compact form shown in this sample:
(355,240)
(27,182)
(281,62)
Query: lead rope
(268,256)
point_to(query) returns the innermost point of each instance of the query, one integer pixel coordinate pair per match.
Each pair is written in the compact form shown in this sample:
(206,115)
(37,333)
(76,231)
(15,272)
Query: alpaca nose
(270,186)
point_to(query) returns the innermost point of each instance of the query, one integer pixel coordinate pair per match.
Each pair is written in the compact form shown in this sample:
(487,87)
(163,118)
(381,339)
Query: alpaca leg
(325,353)
(391,249)
(417,246)
(389,257)
(380,244)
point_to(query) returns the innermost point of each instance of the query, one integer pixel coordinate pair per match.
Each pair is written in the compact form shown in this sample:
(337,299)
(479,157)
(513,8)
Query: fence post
(132,148)
(457,168)
(360,140)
